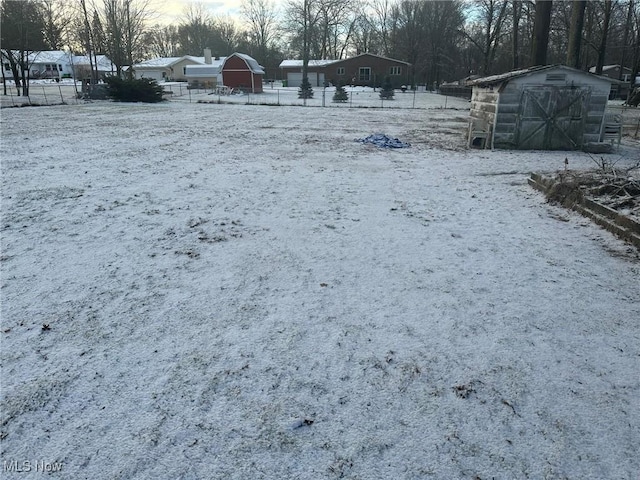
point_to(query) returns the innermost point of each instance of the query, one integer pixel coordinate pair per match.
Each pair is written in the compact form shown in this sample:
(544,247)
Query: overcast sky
(171,10)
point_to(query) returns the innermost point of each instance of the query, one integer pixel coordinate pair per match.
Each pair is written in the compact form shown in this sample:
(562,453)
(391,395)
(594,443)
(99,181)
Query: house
(58,64)
(81,66)
(166,68)
(237,71)
(363,70)
(621,80)
(552,107)
(52,64)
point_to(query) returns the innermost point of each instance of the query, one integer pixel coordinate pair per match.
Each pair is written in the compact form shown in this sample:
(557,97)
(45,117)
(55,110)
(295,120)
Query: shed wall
(551,109)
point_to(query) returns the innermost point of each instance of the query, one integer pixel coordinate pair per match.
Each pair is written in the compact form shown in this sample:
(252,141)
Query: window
(395,70)
(47,67)
(364,74)
(340,71)
(7,66)
(60,67)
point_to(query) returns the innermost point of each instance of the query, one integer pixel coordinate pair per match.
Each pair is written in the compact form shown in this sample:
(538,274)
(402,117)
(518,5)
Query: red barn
(243,72)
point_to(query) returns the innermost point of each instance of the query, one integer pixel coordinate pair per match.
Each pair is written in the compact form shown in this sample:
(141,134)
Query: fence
(362,97)
(52,93)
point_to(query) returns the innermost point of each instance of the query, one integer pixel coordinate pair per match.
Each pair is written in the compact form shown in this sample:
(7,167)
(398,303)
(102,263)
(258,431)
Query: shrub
(134,90)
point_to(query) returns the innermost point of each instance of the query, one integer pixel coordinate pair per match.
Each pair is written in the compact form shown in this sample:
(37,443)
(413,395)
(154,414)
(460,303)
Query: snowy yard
(206,291)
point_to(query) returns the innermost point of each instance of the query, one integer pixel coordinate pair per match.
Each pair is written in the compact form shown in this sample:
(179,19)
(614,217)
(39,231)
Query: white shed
(540,108)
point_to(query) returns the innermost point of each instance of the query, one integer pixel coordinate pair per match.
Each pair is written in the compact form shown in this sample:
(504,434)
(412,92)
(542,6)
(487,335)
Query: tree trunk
(608,7)
(541,28)
(575,33)
(625,40)
(516,11)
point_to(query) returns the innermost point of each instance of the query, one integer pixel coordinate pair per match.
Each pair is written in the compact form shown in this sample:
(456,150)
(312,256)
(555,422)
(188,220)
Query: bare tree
(57,20)
(195,30)
(125,29)
(162,41)
(262,20)
(488,31)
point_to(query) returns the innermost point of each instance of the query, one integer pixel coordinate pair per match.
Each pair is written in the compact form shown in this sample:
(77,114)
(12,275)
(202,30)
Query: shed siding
(484,104)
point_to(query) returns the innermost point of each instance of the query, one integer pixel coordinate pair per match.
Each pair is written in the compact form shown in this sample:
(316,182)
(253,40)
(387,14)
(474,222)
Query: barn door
(552,118)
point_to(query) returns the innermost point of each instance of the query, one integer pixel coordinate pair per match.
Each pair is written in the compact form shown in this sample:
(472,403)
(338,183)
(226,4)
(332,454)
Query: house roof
(166,62)
(50,56)
(324,63)
(606,68)
(504,77)
(104,63)
(374,55)
(312,63)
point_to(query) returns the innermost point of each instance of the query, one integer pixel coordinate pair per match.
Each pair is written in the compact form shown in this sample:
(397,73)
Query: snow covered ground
(205,291)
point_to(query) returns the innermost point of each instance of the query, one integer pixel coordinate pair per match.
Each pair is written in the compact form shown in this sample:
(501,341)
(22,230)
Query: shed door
(552,118)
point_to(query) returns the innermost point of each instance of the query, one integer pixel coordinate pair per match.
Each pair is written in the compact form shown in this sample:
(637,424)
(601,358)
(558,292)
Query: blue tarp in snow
(381,140)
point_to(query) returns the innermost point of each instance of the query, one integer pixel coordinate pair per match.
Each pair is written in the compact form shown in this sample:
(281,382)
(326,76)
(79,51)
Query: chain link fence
(67,93)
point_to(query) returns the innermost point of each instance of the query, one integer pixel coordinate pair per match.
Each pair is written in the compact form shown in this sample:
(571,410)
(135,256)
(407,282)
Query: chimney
(207,56)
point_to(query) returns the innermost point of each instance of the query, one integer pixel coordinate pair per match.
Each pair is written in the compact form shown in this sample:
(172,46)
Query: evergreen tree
(387,90)
(340,96)
(133,90)
(305,90)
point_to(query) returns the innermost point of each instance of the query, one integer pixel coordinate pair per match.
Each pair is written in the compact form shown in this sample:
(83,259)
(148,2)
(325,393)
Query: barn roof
(254,66)
(505,77)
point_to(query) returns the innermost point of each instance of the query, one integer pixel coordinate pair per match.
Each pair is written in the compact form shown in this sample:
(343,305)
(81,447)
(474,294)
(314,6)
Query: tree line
(442,40)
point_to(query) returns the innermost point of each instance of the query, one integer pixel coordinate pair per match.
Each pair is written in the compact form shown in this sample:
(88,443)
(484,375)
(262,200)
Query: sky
(171,10)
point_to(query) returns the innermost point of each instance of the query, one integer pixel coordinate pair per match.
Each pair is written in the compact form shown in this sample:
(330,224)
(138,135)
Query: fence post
(414,98)
(44,94)
(60,90)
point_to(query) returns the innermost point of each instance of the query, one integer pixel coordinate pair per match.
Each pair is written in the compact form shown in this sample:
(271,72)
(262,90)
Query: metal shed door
(552,117)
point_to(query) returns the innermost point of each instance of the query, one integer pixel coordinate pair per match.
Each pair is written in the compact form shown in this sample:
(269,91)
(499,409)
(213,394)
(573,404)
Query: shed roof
(505,77)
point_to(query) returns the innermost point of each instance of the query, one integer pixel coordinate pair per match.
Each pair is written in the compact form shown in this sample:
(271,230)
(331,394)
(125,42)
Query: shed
(551,107)
(243,72)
